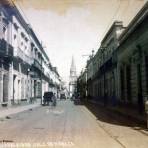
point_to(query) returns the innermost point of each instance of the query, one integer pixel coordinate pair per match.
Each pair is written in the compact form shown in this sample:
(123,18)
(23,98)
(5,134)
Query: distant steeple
(73,67)
(73,77)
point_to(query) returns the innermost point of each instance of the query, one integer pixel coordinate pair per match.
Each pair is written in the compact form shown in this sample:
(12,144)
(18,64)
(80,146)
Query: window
(14,37)
(16,26)
(4,30)
(5,33)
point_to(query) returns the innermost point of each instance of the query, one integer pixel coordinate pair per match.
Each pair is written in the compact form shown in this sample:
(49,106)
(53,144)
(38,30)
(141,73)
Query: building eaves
(37,41)
(137,20)
(115,24)
(13,10)
(54,69)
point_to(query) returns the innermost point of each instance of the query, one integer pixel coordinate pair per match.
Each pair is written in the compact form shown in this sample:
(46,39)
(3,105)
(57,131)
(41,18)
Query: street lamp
(28,71)
(42,71)
(86,71)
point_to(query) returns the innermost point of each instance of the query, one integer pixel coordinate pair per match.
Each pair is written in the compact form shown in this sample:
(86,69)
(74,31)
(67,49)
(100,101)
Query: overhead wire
(126,9)
(111,20)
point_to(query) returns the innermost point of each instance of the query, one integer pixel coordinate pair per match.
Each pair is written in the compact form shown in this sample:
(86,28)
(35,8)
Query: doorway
(128,82)
(5,88)
(14,79)
(139,94)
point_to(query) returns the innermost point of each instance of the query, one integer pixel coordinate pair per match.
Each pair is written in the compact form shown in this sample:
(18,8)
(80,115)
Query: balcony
(6,50)
(51,83)
(37,65)
(24,57)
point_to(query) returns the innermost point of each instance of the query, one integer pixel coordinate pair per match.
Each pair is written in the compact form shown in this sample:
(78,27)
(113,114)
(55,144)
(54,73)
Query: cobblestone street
(68,125)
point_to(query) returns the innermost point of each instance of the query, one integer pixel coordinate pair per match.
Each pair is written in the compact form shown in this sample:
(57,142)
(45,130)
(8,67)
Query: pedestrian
(54,99)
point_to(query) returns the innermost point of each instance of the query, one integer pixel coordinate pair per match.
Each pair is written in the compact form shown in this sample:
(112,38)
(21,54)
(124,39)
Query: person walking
(54,100)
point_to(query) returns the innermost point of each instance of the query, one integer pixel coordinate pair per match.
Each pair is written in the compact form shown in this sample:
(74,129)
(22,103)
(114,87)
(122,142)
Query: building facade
(132,61)
(101,67)
(118,72)
(108,63)
(25,69)
(82,85)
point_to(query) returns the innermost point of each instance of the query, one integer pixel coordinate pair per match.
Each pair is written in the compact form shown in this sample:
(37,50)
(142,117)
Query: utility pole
(86,71)
(42,71)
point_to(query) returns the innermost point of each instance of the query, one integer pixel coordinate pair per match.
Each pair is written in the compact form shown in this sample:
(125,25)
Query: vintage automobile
(47,97)
(63,96)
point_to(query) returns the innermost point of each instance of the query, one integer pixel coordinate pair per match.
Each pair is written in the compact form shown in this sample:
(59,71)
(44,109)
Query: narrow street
(68,125)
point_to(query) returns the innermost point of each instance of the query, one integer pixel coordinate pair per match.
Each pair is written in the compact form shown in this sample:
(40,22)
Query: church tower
(73,77)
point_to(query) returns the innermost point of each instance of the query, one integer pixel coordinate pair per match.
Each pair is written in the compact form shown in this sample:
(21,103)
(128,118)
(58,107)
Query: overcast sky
(75,27)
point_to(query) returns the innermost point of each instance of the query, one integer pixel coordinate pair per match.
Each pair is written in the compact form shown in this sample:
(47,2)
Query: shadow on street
(105,115)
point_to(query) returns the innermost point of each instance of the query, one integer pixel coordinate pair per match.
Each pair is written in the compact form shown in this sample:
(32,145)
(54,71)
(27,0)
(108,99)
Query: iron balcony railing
(24,57)
(6,50)
(37,65)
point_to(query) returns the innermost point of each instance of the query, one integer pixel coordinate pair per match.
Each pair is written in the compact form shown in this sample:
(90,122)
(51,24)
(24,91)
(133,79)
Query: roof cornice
(138,19)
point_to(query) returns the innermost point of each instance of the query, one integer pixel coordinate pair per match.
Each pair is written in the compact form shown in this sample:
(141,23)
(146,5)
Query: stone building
(25,69)
(102,66)
(82,84)
(89,68)
(6,54)
(118,72)
(133,60)
(108,63)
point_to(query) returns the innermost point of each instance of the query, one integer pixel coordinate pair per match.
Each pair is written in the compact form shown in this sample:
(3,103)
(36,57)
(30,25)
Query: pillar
(1,84)
(118,81)
(10,83)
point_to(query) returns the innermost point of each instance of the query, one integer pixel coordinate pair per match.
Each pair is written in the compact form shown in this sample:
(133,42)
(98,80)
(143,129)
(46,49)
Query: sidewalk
(128,113)
(125,111)
(7,111)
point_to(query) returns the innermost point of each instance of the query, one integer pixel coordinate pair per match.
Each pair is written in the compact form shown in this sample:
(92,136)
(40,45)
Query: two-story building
(6,52)
(101,68)
(119,70)
(133,61)
(25,69)
(108,67)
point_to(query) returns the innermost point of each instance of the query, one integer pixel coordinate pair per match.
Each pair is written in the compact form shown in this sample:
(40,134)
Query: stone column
(10,83)
(1,83)
(118,81)
(1,28)
(144,76)
(15,89)
(125,82)
(19,90)
(9,33)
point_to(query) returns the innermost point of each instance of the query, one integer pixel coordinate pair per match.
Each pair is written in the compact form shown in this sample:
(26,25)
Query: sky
(74,27)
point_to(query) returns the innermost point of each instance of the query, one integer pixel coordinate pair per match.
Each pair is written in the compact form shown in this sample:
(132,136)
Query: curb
(120,113)
(11,111)
(143,121)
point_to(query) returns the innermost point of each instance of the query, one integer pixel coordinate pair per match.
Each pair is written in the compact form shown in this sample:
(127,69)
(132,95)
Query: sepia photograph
(73,73)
